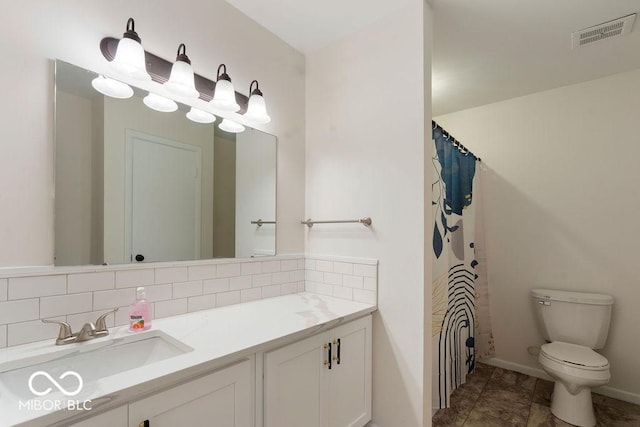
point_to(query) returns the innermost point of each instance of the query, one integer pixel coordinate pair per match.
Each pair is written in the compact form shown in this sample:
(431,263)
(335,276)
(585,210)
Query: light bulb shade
(160,103)
(231,126)
(129,59)
(112,88)
(257,110)
(199,116)
(181,80)
(224,96)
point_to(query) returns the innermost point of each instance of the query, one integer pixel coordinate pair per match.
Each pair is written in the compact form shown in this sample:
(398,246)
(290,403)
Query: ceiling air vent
(616,28)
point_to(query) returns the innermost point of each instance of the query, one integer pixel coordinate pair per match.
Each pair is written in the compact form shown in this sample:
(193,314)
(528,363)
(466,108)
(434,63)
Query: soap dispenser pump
(140,312)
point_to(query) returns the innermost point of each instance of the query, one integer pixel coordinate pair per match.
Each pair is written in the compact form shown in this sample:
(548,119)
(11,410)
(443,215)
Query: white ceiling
(309,25)
(484,50)
(491,50)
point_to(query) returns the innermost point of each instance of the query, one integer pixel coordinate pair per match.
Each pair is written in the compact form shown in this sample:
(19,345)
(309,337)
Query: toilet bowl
(573,324)
(575,369)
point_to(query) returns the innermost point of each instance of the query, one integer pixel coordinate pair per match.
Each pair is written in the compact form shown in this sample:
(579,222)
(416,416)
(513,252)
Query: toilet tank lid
(575,297)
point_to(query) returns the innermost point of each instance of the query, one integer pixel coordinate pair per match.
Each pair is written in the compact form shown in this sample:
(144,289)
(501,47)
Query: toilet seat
(576,356)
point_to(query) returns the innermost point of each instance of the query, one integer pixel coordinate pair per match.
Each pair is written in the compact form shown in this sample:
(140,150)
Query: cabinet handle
(327,361)
(336,343)
(144,423)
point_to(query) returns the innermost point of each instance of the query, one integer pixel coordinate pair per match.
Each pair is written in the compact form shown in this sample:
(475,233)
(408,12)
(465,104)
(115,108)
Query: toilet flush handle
(544,302)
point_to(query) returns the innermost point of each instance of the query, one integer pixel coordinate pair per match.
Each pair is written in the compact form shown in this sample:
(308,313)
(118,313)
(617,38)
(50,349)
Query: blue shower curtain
(454,324)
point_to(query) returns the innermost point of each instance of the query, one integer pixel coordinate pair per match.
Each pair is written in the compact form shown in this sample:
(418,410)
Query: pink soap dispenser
(140,312)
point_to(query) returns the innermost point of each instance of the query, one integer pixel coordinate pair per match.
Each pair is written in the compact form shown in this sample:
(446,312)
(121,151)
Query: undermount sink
(91,361)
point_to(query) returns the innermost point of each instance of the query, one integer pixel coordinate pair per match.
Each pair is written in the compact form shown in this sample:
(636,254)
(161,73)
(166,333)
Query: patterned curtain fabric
(455,291)
(484,335)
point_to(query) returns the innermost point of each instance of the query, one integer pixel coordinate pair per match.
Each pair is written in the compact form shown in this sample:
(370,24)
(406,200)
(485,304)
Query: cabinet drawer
(223,398)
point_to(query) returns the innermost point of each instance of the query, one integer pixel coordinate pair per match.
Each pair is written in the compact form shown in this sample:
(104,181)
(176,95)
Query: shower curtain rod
(455,141)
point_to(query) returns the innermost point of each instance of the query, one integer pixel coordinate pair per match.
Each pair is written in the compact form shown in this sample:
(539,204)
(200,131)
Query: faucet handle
(65,330)
(101,323)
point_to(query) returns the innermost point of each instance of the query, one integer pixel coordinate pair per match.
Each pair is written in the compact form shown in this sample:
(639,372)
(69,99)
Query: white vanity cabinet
(349,399)
(321,381)
(223,398)
(293,386)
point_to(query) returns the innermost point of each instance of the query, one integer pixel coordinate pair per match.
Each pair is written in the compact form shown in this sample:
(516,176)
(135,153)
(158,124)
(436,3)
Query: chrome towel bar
(365,221)
(259,222)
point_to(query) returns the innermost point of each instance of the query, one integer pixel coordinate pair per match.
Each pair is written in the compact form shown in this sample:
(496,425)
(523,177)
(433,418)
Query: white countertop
(218,337)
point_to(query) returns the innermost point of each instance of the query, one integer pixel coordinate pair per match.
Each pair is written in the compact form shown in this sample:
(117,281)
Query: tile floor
(494,397)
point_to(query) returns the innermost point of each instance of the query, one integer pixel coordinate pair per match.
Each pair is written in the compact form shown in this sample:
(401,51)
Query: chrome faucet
(88,331)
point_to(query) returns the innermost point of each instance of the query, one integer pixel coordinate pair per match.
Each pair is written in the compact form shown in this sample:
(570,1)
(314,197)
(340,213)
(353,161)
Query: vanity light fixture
(224,96)
(181,80)
(231,126)
(257,108)
(199,116)
(160,103)
(111,87)
(129,58)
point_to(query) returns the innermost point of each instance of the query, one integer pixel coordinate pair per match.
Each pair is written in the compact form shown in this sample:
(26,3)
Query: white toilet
(573,323)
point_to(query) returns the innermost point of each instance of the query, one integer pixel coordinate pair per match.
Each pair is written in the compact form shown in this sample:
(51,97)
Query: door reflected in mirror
(134,185)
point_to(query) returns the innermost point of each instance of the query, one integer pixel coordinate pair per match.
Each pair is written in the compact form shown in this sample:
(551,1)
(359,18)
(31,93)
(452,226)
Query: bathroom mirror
(134,185)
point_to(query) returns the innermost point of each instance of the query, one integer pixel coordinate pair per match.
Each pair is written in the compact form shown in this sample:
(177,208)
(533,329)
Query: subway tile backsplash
(3,289)
(171,275)
(19,310)
(38,286)
(90,282)
(3,336)
(79,295)
(347,279)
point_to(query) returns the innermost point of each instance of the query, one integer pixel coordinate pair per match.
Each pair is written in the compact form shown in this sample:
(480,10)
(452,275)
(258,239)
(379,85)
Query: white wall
(41,30)
(429,149)
(365,156)
(561,201)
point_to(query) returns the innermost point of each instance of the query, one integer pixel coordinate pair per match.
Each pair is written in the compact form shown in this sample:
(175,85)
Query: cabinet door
(292,384)
(114,418)
(349,380)
(222,399)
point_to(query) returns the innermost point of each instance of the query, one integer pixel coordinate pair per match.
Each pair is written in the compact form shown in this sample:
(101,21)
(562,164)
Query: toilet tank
(573,317)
